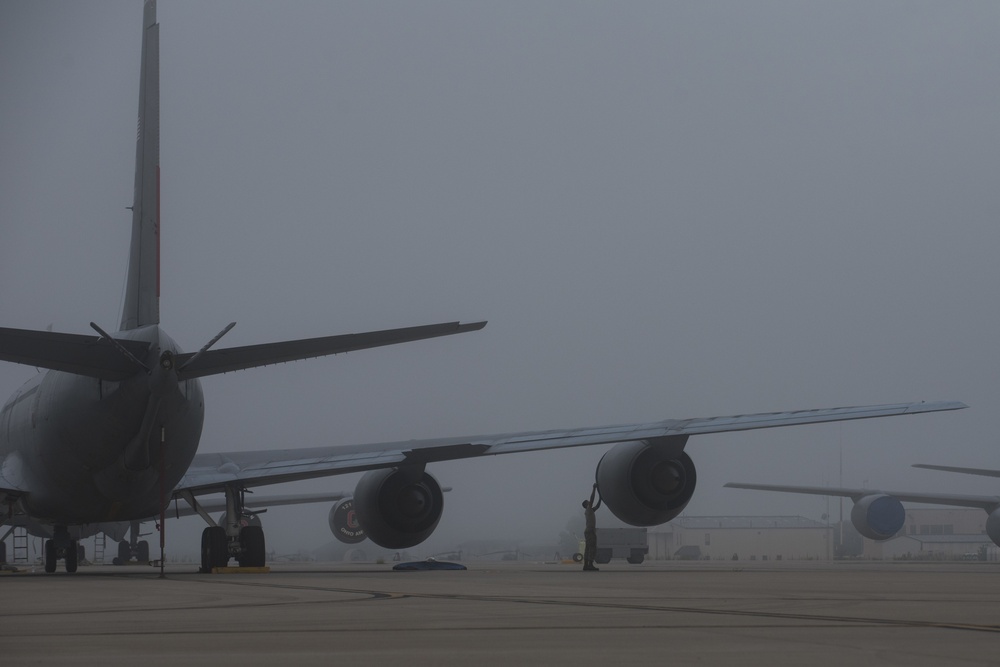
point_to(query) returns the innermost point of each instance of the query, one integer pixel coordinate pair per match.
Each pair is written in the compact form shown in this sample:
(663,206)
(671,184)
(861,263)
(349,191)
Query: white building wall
(722,543)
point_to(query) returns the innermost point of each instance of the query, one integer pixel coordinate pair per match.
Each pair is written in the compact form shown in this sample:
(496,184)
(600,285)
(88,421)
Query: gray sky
(663,209)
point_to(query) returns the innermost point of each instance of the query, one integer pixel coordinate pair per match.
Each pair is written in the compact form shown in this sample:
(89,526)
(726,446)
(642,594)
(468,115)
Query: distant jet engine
(344,524)
(993,526)
(644,483)
(400,507)
(878,516)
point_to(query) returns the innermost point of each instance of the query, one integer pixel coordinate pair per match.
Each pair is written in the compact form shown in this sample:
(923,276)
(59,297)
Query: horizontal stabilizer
(70,353)
(213,362)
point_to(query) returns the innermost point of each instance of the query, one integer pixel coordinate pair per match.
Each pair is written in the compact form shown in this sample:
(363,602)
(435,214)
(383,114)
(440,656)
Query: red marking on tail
(157,231)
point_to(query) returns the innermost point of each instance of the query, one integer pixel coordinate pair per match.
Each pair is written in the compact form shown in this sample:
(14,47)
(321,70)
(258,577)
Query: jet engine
(646,483)
(344,524)
(993,526)
(398,507)
(878,516)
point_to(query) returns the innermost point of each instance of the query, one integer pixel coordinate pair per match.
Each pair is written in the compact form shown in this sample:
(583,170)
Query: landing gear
(124,553)
(61,546)
(50,556)
(133,548)
(71,556)
(251,547)
(214,548)
(240,537)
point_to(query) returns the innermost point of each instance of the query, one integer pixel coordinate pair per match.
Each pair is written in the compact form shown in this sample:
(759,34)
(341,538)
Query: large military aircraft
(879,515)
(108,435)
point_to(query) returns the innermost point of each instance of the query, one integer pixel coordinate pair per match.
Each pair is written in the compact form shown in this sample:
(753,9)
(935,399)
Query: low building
(936,547)
(938,534)
(741,538)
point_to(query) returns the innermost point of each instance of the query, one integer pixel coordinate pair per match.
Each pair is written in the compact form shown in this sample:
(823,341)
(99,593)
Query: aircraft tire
(3,552)
(214,548)
(143,549)
(71,557)
(578,557)
(124,552)
(50,556)
(252,543)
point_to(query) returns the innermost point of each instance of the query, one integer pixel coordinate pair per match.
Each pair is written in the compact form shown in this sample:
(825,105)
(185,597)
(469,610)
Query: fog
(664,210)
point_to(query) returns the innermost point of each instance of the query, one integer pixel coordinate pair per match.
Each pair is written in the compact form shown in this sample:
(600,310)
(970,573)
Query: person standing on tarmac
(590,531)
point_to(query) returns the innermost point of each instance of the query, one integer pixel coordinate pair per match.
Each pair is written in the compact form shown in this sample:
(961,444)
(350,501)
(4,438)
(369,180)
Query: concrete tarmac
(676,613)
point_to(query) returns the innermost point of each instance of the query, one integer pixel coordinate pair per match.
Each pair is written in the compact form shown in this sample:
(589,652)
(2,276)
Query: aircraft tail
(142,290)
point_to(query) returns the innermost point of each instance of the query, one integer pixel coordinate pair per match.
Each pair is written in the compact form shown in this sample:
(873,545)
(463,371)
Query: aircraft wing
(965,471)
(212,472)
(988,503)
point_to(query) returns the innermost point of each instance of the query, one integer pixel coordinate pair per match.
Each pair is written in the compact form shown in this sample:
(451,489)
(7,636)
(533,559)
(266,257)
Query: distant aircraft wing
(985,472)
(212,472)
(988,503)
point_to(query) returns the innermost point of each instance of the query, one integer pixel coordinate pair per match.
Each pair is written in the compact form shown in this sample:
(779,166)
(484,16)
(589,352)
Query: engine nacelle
(646,484)
(344,524)
(399,507)
(993,526)
(878,516)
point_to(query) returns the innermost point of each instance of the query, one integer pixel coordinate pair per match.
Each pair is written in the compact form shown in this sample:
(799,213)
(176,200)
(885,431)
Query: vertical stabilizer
(142,291)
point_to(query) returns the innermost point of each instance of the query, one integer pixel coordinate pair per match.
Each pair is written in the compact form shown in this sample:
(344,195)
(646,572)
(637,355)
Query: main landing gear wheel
(251,546)
(50,556)
(124,553)
(214,548)
(71,557)
(143,555)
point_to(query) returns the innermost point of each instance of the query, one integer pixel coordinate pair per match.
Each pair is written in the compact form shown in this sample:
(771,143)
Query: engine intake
(646,484)
(398,507)
(878,516)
